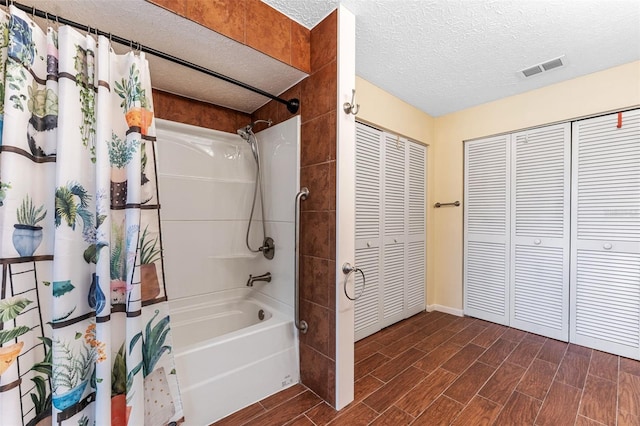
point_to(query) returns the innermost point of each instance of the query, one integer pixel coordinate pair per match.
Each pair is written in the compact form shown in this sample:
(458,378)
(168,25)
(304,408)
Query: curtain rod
(292,104)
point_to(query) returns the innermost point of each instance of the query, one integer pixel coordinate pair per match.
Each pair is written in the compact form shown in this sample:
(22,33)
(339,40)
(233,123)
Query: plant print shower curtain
(84,324)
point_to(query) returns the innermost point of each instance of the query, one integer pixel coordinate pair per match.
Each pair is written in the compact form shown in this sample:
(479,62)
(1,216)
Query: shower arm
(300,325)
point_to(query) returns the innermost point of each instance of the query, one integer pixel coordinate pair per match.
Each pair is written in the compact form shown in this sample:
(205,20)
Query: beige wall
(608,90)
(387,112)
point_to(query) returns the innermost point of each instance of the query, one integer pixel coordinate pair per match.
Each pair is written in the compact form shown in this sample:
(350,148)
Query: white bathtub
(226,357)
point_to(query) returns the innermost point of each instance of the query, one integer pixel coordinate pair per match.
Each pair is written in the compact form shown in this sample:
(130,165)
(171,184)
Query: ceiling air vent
(542,67)
(554,63)
(532,71)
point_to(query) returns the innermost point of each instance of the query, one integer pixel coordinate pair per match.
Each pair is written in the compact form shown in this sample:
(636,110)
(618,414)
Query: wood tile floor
(438,369)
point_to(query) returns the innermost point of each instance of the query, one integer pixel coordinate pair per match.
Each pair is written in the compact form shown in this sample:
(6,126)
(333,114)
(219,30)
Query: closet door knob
(368,243)
(395,240)
(607,246)
(537,241)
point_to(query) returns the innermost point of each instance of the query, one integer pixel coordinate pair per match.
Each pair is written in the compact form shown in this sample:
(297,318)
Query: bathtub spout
(264,277)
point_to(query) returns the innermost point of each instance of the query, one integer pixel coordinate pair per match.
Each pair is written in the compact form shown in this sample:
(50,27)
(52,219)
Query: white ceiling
(442,56)
(438,55)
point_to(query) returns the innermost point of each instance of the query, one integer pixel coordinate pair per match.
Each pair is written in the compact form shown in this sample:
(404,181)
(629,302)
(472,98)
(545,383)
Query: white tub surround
(206,180)
(226,357)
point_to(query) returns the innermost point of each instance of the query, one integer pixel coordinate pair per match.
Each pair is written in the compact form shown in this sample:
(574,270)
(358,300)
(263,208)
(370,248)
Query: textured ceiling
(446,55)
(438,55)
(155,27)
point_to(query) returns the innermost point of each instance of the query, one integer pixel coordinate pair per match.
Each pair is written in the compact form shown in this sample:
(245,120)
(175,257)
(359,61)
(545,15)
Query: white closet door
(394,241)
(540,201)
(486,229)
(416,232)
(605,242)
(390,229)
(368,202)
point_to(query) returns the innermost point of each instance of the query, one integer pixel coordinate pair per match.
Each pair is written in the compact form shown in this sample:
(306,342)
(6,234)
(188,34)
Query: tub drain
(261,314)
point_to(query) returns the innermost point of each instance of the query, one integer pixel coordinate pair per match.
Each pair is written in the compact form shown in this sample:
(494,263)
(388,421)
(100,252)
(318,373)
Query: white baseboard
(445,309)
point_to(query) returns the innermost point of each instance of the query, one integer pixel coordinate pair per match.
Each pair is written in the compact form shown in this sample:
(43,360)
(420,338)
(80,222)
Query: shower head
(246,131)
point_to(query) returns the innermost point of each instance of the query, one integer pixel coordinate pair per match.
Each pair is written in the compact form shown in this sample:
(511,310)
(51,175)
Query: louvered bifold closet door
(416,219)
(367,255)
(540,202)
(486,229)
(605,242)
(393,258)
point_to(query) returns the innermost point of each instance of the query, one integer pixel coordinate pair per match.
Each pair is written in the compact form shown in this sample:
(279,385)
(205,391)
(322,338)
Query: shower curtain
(84,324)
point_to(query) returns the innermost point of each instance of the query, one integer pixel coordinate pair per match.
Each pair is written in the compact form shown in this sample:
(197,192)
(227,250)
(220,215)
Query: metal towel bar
(455,203)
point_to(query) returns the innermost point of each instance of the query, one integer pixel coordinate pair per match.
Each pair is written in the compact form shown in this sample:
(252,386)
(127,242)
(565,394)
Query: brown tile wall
(318,212)
(176,108)
(250,22)
(318,99)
